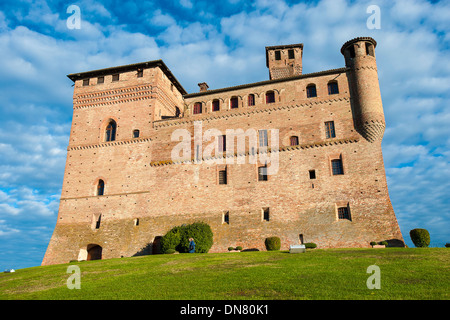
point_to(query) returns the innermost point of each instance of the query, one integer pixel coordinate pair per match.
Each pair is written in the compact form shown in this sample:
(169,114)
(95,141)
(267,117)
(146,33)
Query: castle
(310,168)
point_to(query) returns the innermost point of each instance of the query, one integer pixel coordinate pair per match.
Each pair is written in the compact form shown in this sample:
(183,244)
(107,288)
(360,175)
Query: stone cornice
(240,112)
(318,144)
(108,144)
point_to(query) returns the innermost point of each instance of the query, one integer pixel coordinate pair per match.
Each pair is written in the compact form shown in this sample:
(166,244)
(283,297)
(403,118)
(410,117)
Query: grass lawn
(406,273)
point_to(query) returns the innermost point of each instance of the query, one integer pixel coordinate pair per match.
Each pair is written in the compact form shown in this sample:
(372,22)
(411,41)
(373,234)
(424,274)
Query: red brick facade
(146,192)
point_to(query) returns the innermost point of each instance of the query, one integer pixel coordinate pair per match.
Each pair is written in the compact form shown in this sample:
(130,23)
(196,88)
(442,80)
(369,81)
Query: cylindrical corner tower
(359,55)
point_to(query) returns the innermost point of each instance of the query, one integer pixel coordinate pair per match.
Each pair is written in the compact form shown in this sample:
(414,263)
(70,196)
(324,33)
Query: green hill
(405,273)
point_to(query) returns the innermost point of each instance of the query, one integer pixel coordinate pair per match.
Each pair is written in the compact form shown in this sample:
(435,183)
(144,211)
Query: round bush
(273,243)
(171,240)
(310,245)
(385,243)
(230,248)
(239,248)
(420,237)
(373,243)
(202,234)
(178,238)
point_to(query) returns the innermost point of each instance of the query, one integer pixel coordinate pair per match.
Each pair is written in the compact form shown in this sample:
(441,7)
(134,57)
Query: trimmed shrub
(238,248)
(310,245)
(230,248)
(273,243)
(420,237)
(385,243)
(178,238)
(373,243)
(171,240)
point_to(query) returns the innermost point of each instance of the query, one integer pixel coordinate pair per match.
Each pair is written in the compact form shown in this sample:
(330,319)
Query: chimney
(203,86)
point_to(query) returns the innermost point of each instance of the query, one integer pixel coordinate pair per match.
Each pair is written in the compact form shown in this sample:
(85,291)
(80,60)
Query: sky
(221,43)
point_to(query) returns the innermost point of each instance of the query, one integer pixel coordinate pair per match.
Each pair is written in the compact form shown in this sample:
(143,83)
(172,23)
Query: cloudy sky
(222,43)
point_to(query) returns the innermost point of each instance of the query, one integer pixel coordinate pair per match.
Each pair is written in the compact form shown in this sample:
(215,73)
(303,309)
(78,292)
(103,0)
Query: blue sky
(221,43)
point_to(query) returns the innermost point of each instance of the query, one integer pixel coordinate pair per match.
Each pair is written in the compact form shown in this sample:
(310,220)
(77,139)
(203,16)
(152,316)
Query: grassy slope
(412,273)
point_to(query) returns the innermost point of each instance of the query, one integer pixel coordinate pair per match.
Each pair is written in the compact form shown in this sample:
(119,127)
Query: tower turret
(359,55)
(284,61)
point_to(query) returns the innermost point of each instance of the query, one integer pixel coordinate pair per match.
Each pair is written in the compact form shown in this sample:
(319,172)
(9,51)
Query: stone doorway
(94,252)
(156,247)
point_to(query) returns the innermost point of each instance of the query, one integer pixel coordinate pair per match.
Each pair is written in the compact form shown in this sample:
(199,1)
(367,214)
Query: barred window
(270,97)
(251,99)
(344,213)
(293,141)
(136,133)
(333,87)
(263,142)
(337,167)
(85,82)
(197,108)
(223,176)
(110,134)
(262,173)
(311,91)
(329,129)
(115,77)
(100,80)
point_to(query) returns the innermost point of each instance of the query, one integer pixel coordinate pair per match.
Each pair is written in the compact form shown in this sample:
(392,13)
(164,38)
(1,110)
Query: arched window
(136,133)
(197,108)
(234,103)
(311,91)
(270,97)
(293,141)
(100,187)
(110,134)
(333,87)
(251,99)
(216,105)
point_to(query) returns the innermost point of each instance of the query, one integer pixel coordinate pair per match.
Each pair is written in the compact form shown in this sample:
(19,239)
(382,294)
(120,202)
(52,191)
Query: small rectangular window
(291,54)
(135,133)
(100,80)
(85,82)
(262,173)
(266,214)
(344,213)
(278,55)
(115,77)
(226,217)
(223,177)
(263,141)
(336,166)
(222,143)
(97,223)
(312,174)
(329,129)
(140,73)
(136,222)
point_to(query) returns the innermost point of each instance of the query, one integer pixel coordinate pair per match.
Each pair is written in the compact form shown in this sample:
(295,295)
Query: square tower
(284,61)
